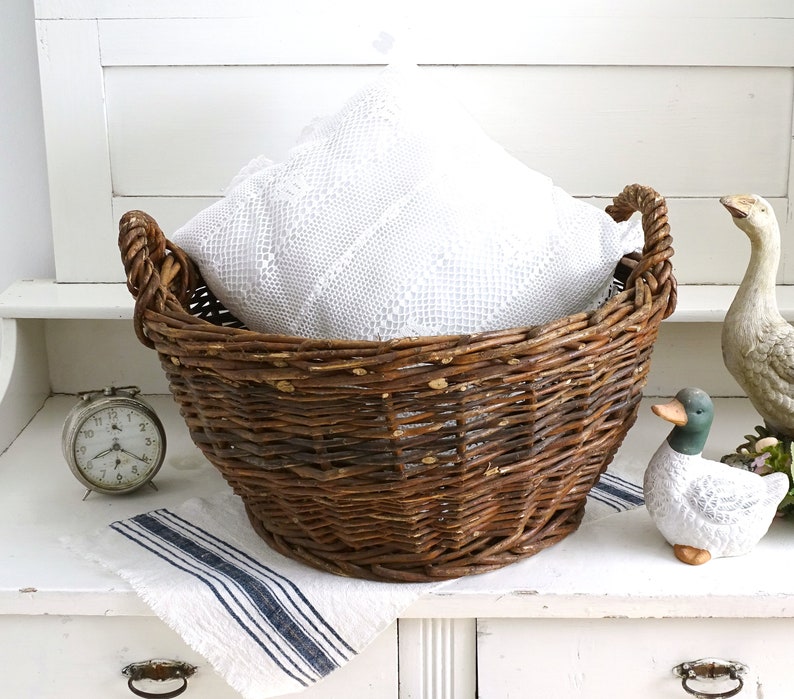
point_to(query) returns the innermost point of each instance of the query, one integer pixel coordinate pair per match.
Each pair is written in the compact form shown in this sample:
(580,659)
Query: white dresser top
(615,566)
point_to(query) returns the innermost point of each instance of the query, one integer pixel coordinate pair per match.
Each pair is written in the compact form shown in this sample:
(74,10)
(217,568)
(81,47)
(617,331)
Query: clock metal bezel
(94,402)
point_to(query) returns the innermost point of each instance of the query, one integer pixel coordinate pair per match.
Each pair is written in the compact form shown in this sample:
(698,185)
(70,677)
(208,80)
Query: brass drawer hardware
(160,671)
(711,669)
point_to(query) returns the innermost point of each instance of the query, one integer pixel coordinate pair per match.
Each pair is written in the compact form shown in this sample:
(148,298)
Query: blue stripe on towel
(292,594)
(257,598)
(121,528)
(616,492)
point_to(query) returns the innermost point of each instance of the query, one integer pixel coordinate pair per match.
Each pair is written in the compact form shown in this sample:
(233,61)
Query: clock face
(116,447)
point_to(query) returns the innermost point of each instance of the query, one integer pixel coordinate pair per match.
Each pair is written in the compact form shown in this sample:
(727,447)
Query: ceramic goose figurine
(757,342)
(705,509)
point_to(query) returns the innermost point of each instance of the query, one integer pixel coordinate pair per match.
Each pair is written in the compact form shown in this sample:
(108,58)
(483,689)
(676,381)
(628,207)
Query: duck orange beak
(673,411)
(738,205)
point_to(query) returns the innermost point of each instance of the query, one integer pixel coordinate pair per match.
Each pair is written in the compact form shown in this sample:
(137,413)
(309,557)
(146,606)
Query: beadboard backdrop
(157,106)
(163,109)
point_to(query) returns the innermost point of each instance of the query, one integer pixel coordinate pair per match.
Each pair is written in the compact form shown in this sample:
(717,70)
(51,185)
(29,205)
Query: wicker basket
(415,459)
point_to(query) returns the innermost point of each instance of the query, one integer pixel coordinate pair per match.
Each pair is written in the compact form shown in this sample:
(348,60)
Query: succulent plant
(766,452)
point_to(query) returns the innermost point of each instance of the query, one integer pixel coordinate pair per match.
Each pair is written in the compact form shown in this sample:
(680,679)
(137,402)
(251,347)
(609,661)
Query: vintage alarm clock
(113,441)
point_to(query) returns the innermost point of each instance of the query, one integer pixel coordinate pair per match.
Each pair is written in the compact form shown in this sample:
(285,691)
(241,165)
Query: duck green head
(691,411)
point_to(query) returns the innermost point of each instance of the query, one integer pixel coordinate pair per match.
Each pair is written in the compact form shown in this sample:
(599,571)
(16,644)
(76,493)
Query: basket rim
(164,281)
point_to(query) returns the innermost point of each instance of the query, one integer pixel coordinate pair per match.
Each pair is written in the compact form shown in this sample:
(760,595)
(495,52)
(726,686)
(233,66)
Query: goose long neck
(755,299)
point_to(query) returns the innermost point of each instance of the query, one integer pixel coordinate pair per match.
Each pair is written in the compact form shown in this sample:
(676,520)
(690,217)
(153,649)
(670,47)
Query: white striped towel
(614,492)
(267,624)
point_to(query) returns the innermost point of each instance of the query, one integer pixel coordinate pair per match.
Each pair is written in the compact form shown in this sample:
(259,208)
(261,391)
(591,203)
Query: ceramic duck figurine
(705,509)
(757,342)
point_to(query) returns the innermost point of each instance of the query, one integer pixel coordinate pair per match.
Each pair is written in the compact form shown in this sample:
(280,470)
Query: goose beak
(738,205)
(673,411)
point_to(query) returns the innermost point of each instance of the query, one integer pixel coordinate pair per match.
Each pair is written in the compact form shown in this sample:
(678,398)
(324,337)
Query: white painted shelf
(46,298)
(708,303)
(615,566)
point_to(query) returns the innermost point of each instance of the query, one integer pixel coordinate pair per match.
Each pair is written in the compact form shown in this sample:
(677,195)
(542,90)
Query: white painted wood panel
(46,298)
(24,380)
(438,658)
(53,657)
(121,9)
(709,248)
(88,354)
(584,659)
(689,355)
(77,151)
(211,121)
(685,131)
(508,32)
(183,132)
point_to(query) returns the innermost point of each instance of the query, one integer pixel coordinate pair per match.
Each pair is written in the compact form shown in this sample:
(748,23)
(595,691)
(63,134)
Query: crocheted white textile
(399,217)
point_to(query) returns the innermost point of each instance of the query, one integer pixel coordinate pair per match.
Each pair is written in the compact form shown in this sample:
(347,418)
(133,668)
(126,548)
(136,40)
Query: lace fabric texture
(398,216)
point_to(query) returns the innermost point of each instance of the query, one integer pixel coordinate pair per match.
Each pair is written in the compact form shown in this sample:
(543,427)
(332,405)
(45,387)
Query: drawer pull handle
(711,669)
(159,670)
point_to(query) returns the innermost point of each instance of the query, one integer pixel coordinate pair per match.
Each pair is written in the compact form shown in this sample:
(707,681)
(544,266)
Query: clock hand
(114,447)
(137,458)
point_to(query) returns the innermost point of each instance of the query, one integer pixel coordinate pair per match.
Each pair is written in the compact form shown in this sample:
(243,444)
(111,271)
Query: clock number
(88,434)
(142,425)
(97,421)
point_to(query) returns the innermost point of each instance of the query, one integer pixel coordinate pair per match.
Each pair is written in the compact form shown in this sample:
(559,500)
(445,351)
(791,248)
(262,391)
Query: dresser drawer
(54,657)
(590,659)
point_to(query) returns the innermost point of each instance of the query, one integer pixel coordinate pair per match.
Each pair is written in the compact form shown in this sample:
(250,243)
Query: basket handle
(159,273)
(654,267)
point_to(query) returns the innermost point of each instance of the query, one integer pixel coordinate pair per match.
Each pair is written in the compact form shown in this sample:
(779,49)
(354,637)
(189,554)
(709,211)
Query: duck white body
(703,508)
(710,506)
(757,342)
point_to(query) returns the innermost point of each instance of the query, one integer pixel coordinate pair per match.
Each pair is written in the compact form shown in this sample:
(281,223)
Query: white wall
(26,235)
